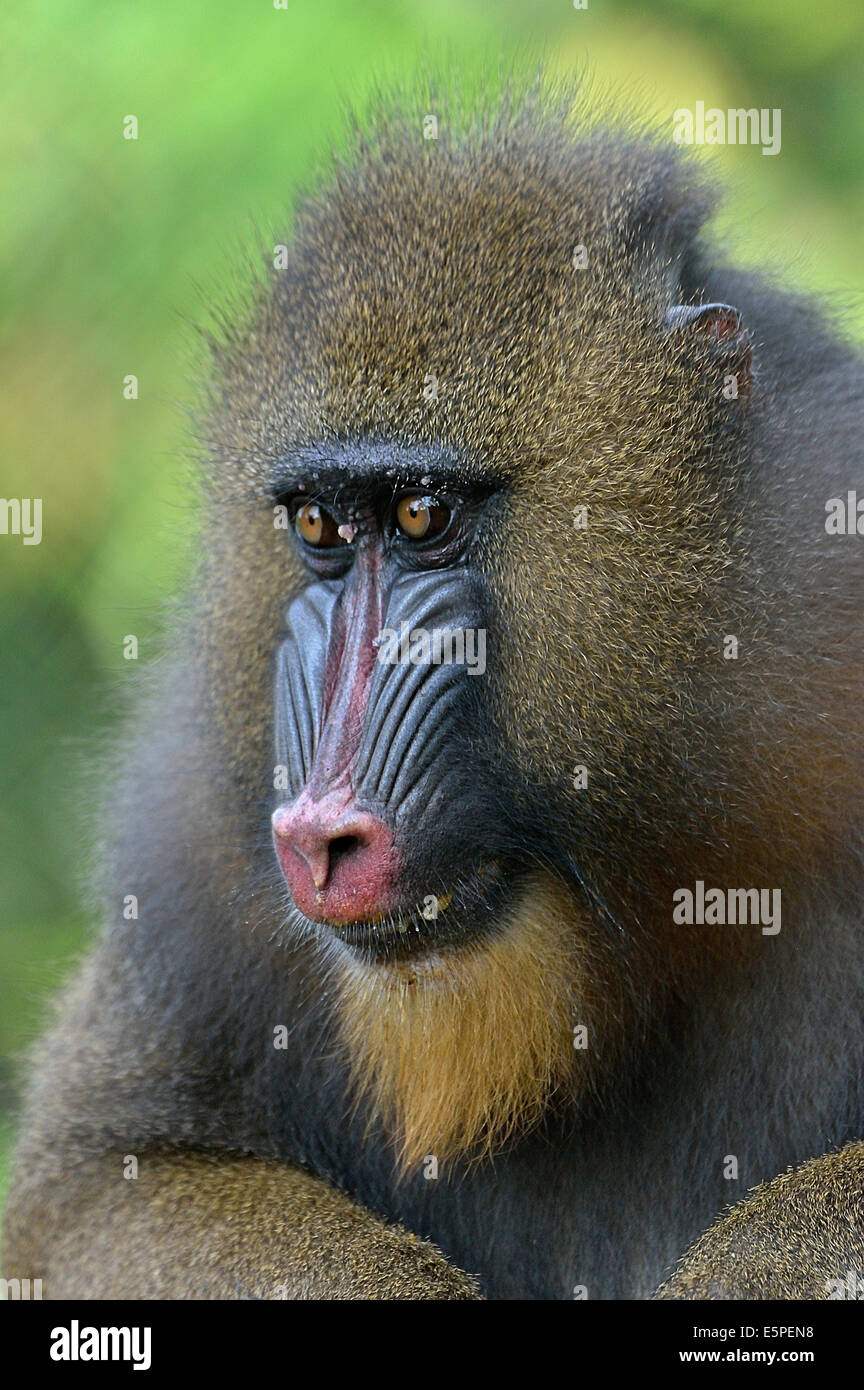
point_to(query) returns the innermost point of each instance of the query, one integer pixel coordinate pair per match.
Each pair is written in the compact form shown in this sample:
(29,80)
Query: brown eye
(422,518)
(316,527)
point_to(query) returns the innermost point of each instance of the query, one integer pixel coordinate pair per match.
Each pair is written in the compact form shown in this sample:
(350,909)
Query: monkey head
(504,485)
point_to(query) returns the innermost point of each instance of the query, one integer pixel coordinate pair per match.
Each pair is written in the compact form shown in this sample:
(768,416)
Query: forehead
(431,298)
(436,259)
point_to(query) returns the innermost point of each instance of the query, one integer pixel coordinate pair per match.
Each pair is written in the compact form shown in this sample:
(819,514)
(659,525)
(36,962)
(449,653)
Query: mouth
(469,908)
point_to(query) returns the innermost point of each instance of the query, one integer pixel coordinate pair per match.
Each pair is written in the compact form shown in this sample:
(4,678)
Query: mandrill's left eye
(421,518)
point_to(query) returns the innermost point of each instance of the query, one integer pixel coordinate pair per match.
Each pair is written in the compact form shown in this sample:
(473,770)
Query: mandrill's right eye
(316,527)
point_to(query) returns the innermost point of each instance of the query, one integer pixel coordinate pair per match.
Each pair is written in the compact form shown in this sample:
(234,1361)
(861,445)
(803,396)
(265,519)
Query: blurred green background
(111,247)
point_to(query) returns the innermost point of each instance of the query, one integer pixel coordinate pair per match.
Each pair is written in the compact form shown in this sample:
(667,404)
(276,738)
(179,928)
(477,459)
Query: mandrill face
(503,493)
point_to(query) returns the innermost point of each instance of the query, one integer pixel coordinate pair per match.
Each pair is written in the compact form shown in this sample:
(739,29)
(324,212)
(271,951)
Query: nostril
(342,846)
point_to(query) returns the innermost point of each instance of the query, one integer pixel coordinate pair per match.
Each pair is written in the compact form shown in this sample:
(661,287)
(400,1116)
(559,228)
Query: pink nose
(340,862)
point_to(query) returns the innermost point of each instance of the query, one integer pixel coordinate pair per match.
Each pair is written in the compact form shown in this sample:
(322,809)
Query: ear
(721,329)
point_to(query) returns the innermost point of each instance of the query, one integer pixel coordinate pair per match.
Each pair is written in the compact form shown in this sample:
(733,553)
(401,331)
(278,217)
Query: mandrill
(516,628)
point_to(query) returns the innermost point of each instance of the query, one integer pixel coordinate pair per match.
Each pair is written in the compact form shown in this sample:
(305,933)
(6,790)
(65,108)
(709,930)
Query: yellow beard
(455,1051)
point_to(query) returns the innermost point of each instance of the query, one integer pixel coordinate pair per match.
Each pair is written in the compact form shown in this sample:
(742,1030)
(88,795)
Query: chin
(456,1041)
